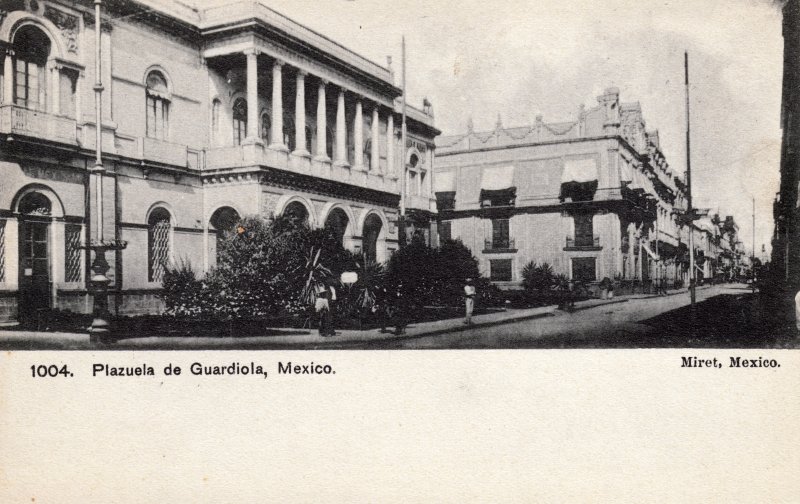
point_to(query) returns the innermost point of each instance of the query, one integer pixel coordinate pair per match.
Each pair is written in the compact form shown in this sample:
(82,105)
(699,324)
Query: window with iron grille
(500,234)
(500,270)
(2,251)
(158,244)
(72,253)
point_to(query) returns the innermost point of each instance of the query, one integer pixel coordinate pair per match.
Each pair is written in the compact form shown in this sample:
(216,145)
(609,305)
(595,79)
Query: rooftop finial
(470,125)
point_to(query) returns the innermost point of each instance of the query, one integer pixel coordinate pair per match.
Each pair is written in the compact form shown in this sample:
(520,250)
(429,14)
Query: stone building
(208,114)
(594,197)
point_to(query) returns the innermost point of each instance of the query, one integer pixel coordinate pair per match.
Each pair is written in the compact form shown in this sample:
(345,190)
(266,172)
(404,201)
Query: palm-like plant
(316,276)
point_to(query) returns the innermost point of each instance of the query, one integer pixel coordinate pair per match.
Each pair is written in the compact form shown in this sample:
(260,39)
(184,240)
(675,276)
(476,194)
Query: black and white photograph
(213,184)
(256,183)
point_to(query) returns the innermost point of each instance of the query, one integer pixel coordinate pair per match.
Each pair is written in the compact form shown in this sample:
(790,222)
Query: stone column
(252,96)
(375,159)
(322,123)
(341,131)
(358,135)
(300,116)
(390,143)
(8,78)
(276,136)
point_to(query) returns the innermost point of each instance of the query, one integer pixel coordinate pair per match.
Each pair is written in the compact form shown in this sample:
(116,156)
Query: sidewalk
(297,338)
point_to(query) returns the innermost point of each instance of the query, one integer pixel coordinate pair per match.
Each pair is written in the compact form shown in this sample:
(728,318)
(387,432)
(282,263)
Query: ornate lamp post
(100,331)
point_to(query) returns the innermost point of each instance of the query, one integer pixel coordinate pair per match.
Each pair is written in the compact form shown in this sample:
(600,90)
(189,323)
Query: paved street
(613,325)
(725,313)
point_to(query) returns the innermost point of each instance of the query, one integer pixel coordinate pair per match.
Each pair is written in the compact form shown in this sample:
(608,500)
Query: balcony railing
(583,243)
(33,123)
(499,245)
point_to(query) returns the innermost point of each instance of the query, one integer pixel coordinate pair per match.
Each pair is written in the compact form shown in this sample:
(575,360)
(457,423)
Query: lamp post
(100,330)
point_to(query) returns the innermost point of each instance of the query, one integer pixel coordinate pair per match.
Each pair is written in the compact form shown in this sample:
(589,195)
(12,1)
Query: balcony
(21,121)
(250,155)
(499,246)
(583,243)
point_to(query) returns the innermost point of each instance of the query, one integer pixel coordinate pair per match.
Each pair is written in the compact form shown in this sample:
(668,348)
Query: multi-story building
(593,197)
(208,114)
(785,261)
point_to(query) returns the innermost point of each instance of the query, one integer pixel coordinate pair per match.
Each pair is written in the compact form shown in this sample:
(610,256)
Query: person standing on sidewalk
(469,300)
(322,307)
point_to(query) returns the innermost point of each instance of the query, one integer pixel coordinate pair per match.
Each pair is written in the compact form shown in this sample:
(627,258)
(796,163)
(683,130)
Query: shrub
(538,277)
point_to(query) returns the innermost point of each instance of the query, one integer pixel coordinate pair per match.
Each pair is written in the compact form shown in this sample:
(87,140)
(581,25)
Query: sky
(520,58)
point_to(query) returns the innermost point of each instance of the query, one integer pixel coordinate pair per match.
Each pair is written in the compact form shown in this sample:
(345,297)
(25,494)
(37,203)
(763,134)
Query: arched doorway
(223,221)
(35,211)
(297,213)
(372,230)
(337,222)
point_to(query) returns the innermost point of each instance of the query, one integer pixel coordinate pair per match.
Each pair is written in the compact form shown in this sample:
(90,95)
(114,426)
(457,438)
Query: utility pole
(403,134)
(690,210)
(100,330)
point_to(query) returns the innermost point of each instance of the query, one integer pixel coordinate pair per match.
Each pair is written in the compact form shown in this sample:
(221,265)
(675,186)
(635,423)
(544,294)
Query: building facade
(594,197)
(208,114)
(785,260)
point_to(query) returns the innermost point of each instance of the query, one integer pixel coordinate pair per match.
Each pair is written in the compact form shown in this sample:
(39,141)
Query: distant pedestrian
(400,303)
(570,305)
(469,300)
(332,311)
(322,307)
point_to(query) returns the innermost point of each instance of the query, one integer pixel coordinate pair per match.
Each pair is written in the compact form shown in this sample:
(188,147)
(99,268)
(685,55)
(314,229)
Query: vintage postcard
(223,223)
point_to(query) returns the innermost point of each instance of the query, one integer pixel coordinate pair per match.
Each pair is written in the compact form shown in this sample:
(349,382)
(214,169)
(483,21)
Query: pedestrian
(400,310)
(469,300)
(322,307)
(332,312)
(571,295)
(610,289)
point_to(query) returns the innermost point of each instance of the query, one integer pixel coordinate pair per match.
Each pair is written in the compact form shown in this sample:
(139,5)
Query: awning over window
(579,170)
(445,181)
(497,177)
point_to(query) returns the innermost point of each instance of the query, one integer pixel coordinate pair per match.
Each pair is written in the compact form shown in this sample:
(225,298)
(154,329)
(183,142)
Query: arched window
(215,110)
(157,106)
(31,50)
(297,213)
(158,244)
(266,127)
(239,121)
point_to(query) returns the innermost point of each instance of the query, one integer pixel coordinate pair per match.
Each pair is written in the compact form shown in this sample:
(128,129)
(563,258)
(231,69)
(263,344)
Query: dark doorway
(337,223)
(372,229)
(34,254)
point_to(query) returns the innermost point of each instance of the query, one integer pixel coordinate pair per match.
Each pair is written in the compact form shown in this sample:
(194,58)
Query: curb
(447,330)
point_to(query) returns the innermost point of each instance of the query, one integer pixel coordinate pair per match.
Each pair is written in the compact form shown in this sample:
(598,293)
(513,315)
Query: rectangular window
(445,231)
(583,269)
(500,234)
(72,253)
(27,85)
(500,270)
(584,231)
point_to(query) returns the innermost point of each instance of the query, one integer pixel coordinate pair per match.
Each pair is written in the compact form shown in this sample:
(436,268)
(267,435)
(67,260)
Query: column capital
(278,63)
(251,51)
(324,82)
(302,73)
